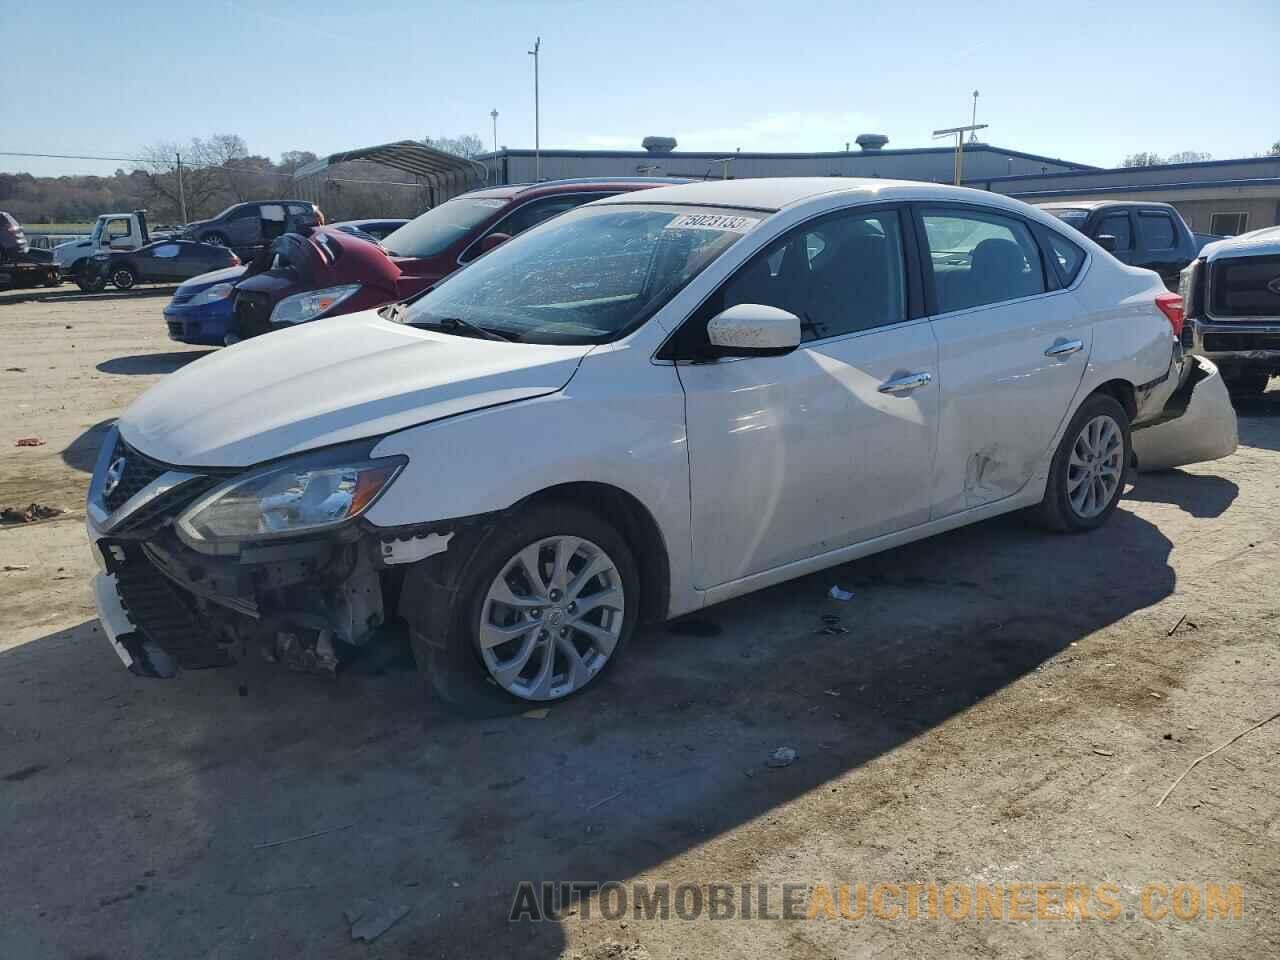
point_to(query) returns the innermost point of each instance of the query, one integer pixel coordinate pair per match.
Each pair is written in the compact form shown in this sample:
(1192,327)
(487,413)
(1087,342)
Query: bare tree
(200,183)
(468,145)
(1154,159)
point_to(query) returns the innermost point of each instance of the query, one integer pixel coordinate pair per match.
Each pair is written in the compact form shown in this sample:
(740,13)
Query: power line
(70,156)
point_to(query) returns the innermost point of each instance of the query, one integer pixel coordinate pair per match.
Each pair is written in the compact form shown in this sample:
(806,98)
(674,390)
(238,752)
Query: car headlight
(311,305)
(312,493)
(219,291)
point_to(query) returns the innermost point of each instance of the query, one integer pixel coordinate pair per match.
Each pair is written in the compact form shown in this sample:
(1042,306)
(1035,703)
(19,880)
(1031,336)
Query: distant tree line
(216,172)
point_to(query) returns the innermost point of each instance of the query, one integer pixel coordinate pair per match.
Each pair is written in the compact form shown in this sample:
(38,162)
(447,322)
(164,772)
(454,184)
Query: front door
(1012,353)
(795,456)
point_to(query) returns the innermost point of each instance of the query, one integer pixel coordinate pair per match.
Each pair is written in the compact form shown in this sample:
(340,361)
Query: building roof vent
(659,144)
(871,141)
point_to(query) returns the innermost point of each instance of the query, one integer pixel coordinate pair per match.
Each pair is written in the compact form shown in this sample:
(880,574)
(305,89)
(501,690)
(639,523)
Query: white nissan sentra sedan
(650,404)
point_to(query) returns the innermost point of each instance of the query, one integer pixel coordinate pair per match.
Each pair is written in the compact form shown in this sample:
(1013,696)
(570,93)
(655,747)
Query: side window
(166,252)
(117,229)
(1157,231)
(839,275)
(532,214)
(247,212)
(1069,257)
(979,257)
(1117,225)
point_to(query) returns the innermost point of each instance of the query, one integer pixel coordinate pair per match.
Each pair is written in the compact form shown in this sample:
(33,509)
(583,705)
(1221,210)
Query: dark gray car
(245,226)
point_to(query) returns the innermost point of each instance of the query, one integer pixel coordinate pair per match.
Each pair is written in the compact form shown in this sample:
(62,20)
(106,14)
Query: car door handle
(1064,348)
(900,386)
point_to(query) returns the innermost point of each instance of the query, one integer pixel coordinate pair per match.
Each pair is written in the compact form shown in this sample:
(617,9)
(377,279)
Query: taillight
(1174,311)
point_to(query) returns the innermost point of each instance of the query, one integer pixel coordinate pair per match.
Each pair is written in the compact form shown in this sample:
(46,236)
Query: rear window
(1247,287)
(1071,216)
(439,228)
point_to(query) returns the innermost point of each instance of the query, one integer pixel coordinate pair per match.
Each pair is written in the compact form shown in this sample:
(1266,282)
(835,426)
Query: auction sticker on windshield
(712,221)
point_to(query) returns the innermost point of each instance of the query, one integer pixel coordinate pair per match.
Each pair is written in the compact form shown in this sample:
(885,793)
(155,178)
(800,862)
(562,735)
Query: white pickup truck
(113,231)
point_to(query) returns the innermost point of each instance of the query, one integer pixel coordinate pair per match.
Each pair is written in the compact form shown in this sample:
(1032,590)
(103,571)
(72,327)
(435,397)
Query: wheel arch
(1122,391)
(636,524)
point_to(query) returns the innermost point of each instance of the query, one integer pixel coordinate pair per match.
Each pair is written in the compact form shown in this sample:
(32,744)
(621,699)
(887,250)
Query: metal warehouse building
(871,160)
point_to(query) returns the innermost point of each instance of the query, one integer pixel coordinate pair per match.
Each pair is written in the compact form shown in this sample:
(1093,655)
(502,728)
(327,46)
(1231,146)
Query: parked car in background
(375,230)
(244,227)
(1232,293)
(331,273)
(1139,233)
(162,262)
(201,310)
(13,241)
(642,407)
(112,231)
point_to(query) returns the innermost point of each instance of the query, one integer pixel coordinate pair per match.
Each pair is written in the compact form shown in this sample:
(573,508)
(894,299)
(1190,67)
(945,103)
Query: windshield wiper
(455,324)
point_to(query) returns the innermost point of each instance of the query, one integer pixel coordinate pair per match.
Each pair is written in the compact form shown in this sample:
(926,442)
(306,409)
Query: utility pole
(182,193)
(537,137)
(959,134)
(494,114)
(973,137)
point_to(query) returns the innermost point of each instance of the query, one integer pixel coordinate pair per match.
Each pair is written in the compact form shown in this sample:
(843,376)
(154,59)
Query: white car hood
(328,382)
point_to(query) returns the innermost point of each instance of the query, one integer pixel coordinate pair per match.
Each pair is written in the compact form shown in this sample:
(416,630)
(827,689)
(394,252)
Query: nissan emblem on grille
(115,473)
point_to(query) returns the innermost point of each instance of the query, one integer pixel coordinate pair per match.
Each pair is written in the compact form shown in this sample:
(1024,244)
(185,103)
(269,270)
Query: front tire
(124,278)
(215,238)
(537,611)
(1086,478)
(1244,384)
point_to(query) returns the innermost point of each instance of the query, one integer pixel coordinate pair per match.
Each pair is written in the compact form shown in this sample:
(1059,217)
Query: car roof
(771,194)
(1099,204)
(511,191)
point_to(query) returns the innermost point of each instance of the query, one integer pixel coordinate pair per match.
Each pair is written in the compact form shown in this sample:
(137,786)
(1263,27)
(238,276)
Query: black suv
(1141,234)
(1232,297)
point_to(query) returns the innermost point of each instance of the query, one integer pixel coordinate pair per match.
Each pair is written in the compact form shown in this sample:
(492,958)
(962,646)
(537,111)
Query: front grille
(253,313)
(156,607)
(1226,342)
(176,328)
(139,470)
(182,297)
(1245,287)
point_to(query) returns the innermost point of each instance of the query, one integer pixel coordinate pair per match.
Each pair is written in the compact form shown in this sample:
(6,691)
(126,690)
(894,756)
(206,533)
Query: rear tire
(452,607)
(1086,477)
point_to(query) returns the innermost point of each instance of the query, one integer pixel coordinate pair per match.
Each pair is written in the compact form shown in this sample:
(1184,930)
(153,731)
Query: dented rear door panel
(1002,397)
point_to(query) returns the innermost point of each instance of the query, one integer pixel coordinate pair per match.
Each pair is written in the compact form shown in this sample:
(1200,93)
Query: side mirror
(753,330)
(1107,242)
(493,240)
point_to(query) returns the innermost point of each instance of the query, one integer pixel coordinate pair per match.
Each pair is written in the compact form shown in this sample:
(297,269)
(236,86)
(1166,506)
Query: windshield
(1071,216)
(585,277)
(435,230)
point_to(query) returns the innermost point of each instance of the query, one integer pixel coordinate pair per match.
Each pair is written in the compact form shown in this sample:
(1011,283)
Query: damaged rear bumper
(1196,424)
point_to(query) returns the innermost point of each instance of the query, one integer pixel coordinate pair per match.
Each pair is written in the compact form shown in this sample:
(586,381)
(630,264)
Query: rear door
(1158,241)
(1013,348)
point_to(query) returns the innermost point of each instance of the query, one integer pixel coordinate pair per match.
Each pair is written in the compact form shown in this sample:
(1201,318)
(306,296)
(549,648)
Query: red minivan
(329,272)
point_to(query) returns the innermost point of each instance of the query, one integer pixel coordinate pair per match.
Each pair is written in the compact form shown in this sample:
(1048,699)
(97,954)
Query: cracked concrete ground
(1006,707)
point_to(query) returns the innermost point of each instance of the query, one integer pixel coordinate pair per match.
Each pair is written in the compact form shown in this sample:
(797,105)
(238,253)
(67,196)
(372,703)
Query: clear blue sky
(1087,81)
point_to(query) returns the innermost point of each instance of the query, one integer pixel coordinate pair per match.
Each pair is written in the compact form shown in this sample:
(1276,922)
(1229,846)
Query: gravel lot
(1007,706)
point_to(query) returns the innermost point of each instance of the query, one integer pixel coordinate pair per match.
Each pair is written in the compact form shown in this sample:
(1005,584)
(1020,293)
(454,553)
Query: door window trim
(915,303)
(1103,214)
(593,194)
(1048,272)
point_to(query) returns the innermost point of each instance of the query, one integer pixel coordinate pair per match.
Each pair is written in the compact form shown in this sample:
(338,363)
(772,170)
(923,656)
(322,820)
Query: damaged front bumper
(309,600)
(1197,423)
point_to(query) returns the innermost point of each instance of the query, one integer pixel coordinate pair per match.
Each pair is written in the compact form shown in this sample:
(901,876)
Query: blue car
(202,309)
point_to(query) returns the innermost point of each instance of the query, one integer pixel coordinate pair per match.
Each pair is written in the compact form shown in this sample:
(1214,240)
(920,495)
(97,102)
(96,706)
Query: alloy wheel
(1096,467)
(551,618)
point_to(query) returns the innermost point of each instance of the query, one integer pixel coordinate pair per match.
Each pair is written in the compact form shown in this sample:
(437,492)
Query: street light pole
(959,135)
(182,193)
(537,136)
(494,114)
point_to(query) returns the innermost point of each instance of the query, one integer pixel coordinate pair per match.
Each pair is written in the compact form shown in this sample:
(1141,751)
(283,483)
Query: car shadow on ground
(149,364)
(173,786)
(1200,495)
(1252,415)
(82,453)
